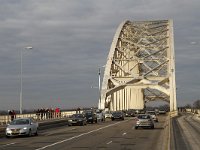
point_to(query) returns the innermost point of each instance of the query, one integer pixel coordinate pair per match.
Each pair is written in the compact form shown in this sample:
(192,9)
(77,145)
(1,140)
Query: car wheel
(7,136)
(152,127)
(36,133)
(136,128)
(29,133)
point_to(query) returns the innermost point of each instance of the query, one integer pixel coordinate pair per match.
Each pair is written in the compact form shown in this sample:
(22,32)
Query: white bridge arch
(140,66)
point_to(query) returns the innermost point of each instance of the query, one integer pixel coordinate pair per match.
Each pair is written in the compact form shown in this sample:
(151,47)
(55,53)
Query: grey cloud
(71,39)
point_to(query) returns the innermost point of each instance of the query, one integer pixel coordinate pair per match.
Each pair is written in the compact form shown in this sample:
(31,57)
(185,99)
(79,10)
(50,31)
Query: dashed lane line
(109,142)
(124,134)
(74,137)
(8,144)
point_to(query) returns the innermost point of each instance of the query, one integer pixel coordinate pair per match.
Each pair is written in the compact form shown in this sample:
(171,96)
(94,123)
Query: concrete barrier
(173,114)
(164,137)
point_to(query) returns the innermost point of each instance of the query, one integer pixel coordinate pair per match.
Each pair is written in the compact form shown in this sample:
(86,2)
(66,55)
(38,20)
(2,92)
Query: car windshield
(20,122)
(152,113)
(77,116)
(117,113)
(143,117)
(88,114)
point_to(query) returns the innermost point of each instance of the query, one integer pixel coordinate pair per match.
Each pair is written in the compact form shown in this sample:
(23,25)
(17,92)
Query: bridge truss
(140,66)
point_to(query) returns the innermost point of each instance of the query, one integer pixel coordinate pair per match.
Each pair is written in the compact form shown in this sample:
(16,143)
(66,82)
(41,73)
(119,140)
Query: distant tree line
(195,105)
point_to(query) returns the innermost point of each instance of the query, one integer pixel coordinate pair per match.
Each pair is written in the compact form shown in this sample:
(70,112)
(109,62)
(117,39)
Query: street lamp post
(20,109)
(99,88)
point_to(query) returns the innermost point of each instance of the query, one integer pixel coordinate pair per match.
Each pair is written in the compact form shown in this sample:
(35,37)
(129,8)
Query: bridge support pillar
(136,99)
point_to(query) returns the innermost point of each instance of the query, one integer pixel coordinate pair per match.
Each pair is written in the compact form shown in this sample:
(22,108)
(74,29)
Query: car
(91,116)
(139,111)
(162,112)
(144,120)
(22,126)
(117,115)
(108,114)
(129,113)
(153,115)
(100,116)
(77,119)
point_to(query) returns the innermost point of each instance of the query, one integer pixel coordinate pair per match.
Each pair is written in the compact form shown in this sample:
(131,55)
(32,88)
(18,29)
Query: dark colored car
(129,113)
(162,112)
(117,115)
(77,119)
(91,117)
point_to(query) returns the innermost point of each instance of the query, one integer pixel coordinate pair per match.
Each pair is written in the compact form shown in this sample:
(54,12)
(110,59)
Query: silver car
(108,114)
(22,126)
(144,120)
(153,115)
(100,116)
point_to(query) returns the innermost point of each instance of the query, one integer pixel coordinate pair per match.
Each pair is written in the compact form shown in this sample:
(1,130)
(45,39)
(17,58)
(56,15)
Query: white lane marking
(109,142)
(73,129)
(124,133)
(8,144)
(59,142)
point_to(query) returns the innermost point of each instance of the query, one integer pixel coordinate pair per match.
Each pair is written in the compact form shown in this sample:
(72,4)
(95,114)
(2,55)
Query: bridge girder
(140,66)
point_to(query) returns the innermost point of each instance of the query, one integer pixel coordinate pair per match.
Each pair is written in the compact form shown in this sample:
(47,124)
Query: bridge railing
(5,119)
(193,110)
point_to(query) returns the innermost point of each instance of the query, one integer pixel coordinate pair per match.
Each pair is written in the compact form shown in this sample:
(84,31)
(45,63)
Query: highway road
(186,132)
(109,135)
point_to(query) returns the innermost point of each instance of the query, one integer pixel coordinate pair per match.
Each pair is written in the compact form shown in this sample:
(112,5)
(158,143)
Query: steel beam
(140,66)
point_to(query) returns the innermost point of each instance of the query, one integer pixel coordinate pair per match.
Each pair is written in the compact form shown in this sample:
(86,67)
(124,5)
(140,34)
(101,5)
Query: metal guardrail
(196,111)
(191,110)
(5,119)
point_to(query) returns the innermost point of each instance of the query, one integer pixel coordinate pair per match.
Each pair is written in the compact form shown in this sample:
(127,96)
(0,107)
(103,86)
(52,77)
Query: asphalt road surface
(109,135)
(186,132)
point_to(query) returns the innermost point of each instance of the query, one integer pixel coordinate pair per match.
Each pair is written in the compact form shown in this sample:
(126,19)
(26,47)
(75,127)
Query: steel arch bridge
(140,66)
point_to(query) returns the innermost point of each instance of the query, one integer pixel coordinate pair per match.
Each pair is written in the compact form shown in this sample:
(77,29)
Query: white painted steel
(140,66)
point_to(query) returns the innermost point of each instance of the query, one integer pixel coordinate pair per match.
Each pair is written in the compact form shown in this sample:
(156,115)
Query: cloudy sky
(72,38)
